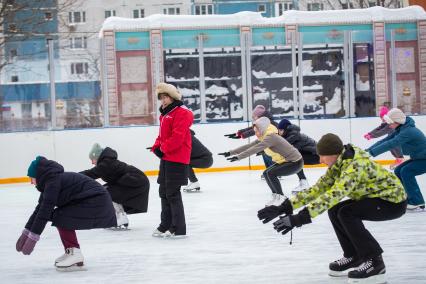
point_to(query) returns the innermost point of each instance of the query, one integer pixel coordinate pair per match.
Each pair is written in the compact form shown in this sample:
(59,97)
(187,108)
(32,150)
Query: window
(315,6)
(77,17)
(26,109)
(48,16)
(281,7)
(78,42)
(13,53)
(261,8)
(139,13)
(205,9)
(171,11)
(14,78)
(109,13)
(79,68)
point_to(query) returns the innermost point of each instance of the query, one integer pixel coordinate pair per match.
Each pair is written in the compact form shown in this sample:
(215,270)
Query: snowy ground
(226,243)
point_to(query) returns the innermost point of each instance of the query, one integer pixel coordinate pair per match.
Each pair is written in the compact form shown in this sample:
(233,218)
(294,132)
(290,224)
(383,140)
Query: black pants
(272,173)
(200,163)
(172,212)
(308,159)
(346,218)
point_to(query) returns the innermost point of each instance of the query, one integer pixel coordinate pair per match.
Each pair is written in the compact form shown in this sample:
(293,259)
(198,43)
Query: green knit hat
(329,144)
(32,169)
(95,152)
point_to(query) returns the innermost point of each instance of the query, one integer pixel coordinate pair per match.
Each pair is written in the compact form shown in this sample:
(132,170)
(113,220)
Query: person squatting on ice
(287,160)
(412,141)
(71,201)
(304,144)
(127,185)
(384,129)
(173,147)
(258,112)
(201,158)
(354,188)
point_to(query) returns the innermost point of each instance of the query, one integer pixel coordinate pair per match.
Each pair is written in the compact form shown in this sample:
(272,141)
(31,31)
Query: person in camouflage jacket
(353,189)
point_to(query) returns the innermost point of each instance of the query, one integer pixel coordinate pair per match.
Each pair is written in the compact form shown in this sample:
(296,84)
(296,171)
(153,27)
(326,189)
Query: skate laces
(69,251)
(344,261)
(366,265)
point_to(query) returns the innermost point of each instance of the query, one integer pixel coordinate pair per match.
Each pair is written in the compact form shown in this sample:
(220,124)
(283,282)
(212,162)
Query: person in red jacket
(173,147)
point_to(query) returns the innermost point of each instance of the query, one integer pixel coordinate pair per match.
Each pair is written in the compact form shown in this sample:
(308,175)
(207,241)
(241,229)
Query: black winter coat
(198,150)
(300,141)
(127,185)
(249,131)
(70,200)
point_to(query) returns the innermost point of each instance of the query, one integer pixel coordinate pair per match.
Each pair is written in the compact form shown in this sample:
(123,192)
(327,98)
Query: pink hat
(383,110)
(258,111)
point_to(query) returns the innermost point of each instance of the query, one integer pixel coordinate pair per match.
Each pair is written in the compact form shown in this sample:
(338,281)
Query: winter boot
(303,184)
(122,220)
(192,187)
(340,267)
(158,234)
(73,260)
(371,271)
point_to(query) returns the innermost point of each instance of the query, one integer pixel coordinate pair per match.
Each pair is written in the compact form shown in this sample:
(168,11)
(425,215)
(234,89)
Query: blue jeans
(407,173)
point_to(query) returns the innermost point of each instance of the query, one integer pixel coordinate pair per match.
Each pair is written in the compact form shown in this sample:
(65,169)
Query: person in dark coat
(306,146)
(173,147)
(71,201)
(127,185)
(201,158)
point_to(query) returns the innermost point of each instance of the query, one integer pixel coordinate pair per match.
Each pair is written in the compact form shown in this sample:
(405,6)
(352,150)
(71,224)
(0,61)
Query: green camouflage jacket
(354,176)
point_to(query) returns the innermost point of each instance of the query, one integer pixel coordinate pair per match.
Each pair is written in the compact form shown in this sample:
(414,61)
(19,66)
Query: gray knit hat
(329,144)
(95,152)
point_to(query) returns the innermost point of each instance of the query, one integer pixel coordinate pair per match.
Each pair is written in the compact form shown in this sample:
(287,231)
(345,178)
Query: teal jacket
(407,136)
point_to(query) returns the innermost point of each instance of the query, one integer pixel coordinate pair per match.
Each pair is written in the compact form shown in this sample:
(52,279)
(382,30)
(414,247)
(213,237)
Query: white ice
(226,243)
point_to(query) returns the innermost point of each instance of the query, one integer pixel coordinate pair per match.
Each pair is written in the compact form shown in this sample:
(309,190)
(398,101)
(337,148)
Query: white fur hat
(395,115)
(169,89)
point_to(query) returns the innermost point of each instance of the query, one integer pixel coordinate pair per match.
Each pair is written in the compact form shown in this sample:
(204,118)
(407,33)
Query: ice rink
(226,243)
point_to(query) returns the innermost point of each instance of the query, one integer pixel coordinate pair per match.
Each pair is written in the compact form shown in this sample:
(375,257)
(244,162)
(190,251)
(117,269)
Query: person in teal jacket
(413,143)
(353,189)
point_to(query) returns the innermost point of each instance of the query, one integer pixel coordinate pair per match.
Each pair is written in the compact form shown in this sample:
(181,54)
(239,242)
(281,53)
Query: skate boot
(122,220)
(415,208)
(59,259)
(340,267)
(371,271)
(303,184)
(170,235)
(72,261)
(158,234)
(192,187)
(273,200)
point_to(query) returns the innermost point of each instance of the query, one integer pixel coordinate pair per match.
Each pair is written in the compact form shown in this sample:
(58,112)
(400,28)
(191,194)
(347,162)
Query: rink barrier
(209,170)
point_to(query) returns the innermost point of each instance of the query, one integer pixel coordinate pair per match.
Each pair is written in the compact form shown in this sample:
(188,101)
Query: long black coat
(127,185)
(70,200)
(300,141)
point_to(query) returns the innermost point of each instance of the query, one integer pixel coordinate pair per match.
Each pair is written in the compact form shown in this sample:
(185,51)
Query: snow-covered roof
(351,16)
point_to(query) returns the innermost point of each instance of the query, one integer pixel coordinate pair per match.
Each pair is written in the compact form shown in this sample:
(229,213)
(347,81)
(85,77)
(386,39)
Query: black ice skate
(371,271)
(341,267)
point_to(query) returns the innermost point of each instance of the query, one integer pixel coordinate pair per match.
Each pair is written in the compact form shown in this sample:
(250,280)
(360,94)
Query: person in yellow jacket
(353,189)
(287,159)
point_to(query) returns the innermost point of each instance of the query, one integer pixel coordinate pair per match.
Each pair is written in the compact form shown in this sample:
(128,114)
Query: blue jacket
(411,140)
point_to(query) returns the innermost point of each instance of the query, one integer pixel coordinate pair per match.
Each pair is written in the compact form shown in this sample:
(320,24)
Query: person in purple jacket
(71,201)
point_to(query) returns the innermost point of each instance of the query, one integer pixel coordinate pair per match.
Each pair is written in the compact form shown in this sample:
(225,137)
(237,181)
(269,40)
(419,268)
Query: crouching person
(374,194)
(71,201)
(127,185)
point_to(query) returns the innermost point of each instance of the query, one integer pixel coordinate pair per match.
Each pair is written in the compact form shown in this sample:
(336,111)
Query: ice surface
(226,243)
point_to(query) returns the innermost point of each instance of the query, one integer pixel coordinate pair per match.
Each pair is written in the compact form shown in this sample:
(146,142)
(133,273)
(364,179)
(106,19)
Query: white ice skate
(158,234)
(72,261)
(59,259)
(277,199)
(416,208)
(192,187)
(303,184)
(122,220)
(169,235)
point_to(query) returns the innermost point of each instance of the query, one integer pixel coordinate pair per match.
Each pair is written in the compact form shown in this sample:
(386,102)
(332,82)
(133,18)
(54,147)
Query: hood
(292,128)
(262,124)
(108,153)
(46,170)
(270,130)
(409,122)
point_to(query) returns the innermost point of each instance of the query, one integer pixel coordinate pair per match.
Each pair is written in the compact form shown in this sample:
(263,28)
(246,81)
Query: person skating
(173,147)
(353,189)
(201,158)
(127,185)
(287,159)
(384,129)
(306,146)
(412,141)
(71,201)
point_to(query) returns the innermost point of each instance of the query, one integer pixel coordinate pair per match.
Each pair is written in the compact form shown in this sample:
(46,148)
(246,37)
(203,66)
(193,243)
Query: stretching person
(201,158)
(287,159)
(306,146)
(127,185)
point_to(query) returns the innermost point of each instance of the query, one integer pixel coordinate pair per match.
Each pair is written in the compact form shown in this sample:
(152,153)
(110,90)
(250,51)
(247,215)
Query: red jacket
(174,139)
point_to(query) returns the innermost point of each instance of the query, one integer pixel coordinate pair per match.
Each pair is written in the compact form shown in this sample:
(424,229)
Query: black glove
(260,153)
(158,153)
(232,136)
(225,154)
(286,223)
(232,159)
(149,148)
(271,212)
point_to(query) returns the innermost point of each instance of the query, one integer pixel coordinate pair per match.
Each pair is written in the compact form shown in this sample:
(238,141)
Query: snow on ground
(226,243)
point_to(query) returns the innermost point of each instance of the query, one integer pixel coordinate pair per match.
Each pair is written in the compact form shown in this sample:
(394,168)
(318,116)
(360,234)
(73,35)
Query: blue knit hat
(32,169)
(284,123)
